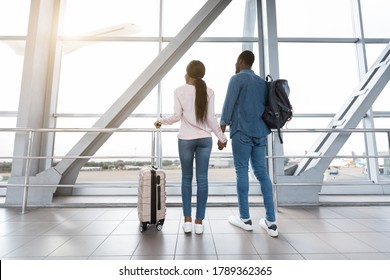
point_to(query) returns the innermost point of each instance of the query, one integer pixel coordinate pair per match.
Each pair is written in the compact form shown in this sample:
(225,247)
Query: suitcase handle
(158,193)
(159,198)
(153,199)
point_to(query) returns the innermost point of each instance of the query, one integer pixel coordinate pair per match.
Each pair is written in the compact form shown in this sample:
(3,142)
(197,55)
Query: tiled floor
(361,232)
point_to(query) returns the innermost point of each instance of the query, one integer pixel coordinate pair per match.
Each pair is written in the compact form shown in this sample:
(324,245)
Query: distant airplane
(124,29)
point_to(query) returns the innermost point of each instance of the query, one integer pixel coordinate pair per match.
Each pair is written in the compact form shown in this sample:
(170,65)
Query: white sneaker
(199,228)
(272,230)
(187,227)
(236,221)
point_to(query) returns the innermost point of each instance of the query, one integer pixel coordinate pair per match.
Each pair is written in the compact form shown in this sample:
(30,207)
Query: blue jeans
(252,149)
(200,149)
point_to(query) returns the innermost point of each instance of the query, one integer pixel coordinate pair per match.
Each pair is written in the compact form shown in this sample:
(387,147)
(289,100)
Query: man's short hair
(248,57)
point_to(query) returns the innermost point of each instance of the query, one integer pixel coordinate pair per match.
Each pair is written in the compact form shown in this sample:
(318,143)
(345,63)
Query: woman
(194,107)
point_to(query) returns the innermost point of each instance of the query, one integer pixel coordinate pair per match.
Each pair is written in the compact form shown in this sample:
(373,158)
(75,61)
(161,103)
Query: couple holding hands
(242,110)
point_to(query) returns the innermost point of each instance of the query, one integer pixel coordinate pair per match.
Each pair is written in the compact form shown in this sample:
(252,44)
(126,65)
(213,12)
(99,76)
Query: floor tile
(35,229)
(7,214)
(291,226)
(373,212)
(351,212)
(61,258)
(10,227)
(318,225)
(45,214)
(120,245)
(324,257)
(100,228)
(127,227)
(376,240)
(309,243)
(294,213)
(267,245)
(233,244)
(68,228)
(79,246)
(114,215)
(323,213)
(39,247)
(345,243)
(193,244)
(239,257)
(110,258)
(87,214)
(153,257)
(367,256)
(107,233)
(282,257)
(348,225)
(11,243)
(375,224)
(196,257)
(156,244)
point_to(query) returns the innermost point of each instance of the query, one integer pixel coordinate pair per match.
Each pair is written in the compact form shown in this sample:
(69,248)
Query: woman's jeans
(200,149)
(252,149)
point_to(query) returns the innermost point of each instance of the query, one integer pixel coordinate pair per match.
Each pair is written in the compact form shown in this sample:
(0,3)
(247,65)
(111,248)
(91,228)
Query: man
(242,110)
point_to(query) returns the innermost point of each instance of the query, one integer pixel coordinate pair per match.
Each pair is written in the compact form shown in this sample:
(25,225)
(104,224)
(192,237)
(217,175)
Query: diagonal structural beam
(351,113)
(68,169)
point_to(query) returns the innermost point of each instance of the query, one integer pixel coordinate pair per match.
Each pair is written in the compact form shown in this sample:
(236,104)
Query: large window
(376,18)
(13,29)
(101,72)
(91,17)
(107,44)
(320,18)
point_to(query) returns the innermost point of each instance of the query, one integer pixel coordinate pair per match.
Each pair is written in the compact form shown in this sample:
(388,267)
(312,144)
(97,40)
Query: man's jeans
(252,149)
(200,149)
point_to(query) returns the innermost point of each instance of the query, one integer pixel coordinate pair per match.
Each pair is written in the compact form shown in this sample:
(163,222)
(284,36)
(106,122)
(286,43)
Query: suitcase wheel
(143,227)
(159,226)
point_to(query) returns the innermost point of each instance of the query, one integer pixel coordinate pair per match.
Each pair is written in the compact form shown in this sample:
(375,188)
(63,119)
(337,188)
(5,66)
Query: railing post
(273,171)
(159,148)
(153,152)
(156,148)
(27,171)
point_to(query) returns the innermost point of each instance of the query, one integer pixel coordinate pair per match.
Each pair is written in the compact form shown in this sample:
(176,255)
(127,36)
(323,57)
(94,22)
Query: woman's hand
(157,124)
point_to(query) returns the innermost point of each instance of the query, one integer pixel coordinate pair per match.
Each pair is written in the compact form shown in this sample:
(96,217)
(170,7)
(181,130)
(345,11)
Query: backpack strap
(271,89)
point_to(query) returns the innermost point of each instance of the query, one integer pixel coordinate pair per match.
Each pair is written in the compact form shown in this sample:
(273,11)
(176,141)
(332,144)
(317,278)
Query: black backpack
(278,109)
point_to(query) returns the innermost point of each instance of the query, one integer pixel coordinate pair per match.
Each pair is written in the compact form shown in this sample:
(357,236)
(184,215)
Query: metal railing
(155,155)
(156,150)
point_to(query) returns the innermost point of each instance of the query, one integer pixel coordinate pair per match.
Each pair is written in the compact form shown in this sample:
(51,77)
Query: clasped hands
(221,145)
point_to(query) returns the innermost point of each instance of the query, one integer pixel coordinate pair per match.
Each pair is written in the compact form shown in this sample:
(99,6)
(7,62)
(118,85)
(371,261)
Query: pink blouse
(184,111)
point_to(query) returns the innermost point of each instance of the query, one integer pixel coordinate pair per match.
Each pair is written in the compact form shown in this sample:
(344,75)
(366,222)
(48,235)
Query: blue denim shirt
(244,105)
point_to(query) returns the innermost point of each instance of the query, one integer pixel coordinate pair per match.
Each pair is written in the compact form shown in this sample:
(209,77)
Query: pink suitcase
(151,204)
